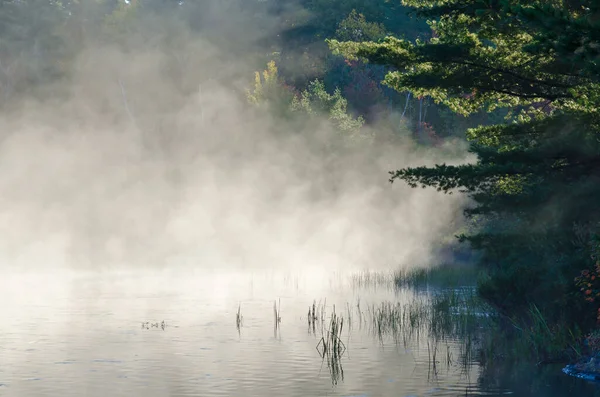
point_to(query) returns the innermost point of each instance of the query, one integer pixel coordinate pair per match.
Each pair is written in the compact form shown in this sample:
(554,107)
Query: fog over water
(144,188)
(150,156)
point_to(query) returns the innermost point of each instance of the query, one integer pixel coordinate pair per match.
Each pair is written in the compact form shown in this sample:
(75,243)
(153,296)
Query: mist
(149,157)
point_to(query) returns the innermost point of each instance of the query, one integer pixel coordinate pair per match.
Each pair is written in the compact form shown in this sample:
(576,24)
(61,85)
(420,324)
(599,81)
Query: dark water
(87,336)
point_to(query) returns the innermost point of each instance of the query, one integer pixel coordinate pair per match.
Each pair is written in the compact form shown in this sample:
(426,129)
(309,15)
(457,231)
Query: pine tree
(537,178)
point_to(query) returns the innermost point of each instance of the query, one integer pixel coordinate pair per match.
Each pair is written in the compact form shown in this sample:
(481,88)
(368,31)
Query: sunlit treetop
(489,54)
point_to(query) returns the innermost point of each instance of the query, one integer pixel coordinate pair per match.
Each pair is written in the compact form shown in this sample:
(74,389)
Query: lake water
(176,334)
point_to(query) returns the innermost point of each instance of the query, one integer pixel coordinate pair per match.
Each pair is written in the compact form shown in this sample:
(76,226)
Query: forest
(517,81)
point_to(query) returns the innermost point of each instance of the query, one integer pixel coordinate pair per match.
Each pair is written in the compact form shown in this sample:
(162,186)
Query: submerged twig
(239,319)
(277,313)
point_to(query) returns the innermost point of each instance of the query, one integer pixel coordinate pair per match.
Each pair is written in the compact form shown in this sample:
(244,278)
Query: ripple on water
(96,351)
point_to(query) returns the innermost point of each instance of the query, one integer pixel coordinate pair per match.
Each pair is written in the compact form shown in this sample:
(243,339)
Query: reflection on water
(244,335)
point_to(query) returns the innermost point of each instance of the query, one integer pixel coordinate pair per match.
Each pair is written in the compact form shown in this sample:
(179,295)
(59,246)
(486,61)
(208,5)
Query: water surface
(168,334)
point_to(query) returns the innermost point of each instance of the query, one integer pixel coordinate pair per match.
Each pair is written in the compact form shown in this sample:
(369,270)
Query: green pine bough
(536,182)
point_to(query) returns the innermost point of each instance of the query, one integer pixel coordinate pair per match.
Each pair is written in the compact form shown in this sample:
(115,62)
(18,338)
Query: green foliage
(544,342)
(267,88)
(477,59)
(316,100)
(304,31)
(327,14)
(537,173)
(311,105)
(356,28)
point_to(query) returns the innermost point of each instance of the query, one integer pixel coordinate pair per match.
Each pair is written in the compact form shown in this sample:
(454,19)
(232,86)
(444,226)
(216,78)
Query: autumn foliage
(589,285)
